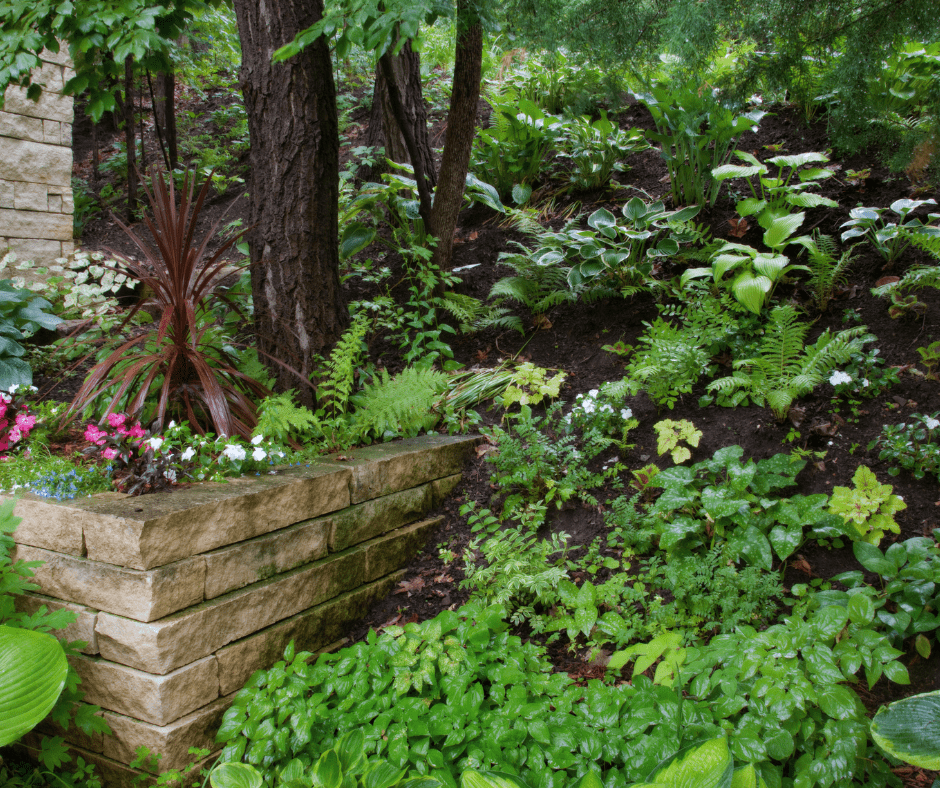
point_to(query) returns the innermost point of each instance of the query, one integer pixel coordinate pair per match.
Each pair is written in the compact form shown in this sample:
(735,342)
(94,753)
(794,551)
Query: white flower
(931,423)
(155,443)
(839,377)
(234,452)
(171,425)
(257,440)
(626,413)
(865,383)
(607,409)
(593,393)
(258,454)
(187,455)
(588,406)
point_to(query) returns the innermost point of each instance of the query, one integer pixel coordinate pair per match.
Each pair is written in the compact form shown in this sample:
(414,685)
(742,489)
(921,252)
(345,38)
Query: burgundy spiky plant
(174,359)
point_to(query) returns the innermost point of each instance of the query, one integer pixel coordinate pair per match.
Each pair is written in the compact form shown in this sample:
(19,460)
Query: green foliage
(697,131)
(870,507)
(909,729)
(723,500)
(336,387)
(554,80)
(539,284)
(774,196)
(664,647)
(670,433)
(930,358)
(784,370)
(758,273)
(828,272)
(890,239)
(22,313)
(597,149)
(529,385)
(403,405)
(281,419)
(914,446)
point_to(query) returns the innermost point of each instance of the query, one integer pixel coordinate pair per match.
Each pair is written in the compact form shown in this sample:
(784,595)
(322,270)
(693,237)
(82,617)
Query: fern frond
(341,366)
(401,405)
(465,308)
(280,418)
(928,241)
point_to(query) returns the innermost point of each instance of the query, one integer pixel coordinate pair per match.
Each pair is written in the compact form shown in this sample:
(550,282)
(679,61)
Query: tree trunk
(164,114)
(299,306)
(129,140)
(384,130)
(461,126)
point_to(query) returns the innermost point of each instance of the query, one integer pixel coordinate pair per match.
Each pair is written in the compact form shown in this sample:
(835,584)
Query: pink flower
(136,431)
(4,443)
(117,420)
(94,435)
(25,422)
(3,408)
(15,434)
(109,454)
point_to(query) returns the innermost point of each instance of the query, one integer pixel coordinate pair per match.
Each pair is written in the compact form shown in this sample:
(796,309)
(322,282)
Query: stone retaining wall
(36,166)
(182,596)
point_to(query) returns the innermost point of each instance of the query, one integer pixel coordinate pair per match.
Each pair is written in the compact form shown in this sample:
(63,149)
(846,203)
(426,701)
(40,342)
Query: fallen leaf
(443,578)
(541,322)
(796,416)
(473,236)
(390,623)
(802,565)
(409,586)
(738,227)
(886,280)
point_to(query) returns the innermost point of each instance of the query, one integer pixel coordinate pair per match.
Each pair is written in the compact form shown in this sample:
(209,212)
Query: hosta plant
(22,314)
(784,369)
(598,149)
(909,729)
(890,238)
(179,364)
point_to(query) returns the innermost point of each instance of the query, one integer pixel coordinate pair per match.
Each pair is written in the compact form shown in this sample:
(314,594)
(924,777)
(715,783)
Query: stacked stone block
(36,166)
(182,596)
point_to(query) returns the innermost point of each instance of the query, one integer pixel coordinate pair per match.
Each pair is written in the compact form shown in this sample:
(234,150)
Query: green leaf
(707,765)
(909,729)
(861,609)
(782,228)
(474,779)
(235,775)
(838,701)
(33,669)
(356,237)
(872,559)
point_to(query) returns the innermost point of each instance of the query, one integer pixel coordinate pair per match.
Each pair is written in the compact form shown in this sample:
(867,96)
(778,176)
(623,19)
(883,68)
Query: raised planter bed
(181,596)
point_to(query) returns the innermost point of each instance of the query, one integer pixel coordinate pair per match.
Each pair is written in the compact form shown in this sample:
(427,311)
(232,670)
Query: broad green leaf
(235,775)
(799,159)
(726,171)
(781,228)
(474,779)
(747,777)
(751,290)
(872,559)
(356,237)
(521,193)
(861,609)
(326,772)
(707,765)
(838,701)
(601,218)
(32,674)
(909,729)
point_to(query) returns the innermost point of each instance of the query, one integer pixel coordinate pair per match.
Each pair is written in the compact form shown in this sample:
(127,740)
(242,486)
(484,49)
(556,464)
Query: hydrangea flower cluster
(597,411)
(16,422)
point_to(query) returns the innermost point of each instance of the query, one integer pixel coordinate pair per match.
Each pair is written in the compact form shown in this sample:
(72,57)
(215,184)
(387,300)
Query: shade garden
(697,542)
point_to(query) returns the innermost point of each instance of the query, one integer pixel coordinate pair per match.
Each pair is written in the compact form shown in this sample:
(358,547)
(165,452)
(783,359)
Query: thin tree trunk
(159,119)
(299,306)
(167,87)
(129,140)
(384,131)
(143,144)
(461,126)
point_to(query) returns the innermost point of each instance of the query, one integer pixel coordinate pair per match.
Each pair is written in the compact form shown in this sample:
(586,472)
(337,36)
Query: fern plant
(400,405)
(783,370)
(828,269)
(539,284)
(281,419)
(337,385)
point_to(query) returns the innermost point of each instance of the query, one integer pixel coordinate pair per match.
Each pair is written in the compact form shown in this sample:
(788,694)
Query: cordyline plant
(178,356)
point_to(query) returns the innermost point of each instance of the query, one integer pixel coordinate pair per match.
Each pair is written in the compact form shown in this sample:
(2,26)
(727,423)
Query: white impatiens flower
(257,440)
(931,423)
(588,406)
(839,377)
(593,393)
(187,455)
(234,452)
(155,443)
(258,454)
(626,413)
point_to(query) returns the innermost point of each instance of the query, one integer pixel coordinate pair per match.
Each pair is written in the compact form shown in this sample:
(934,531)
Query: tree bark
(129,141)
(164,113)
(384,130)
(299,306)
(461,126)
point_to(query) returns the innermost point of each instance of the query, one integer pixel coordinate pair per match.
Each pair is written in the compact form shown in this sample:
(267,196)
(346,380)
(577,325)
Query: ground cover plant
(702,354)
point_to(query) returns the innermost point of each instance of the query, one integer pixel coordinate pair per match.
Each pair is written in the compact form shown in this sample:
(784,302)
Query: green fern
(403,405)
(465,308)
(337,385)
(280,418)
(827,271)
(920,276)
(783,371)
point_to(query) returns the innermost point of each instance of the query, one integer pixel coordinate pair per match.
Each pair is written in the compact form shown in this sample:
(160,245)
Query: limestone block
(142,595)
(50,105)
(39,251)
(444,487)
(310,631)
(380,470)
(6,194)
(33,224)
(156,699)
(30,196)
(21,127)
(162,528)
(82,629)
(162,646)
(67,135)
(35,162)
(60,58)
(373,518)
(394,550)
(55,525)
(55,203)
(52,132)
(265,556)
(170,741)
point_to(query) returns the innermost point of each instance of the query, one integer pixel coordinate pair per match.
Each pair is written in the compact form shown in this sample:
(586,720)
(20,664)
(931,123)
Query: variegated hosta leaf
(909,729)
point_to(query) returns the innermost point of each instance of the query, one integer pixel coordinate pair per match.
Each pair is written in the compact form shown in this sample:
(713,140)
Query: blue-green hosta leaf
(356,237)
(815,174)
(683,214)
(243,775)
(665,248)
(521,193)
(726,171)
(866,214)
(601,219)
(909,729)
(32,674)
(635,209)
(707,765)
(903,207)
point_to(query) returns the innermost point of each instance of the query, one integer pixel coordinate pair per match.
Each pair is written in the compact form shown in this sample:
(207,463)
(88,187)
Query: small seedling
(905,306)
(670,433)
(643,477)
(930,357)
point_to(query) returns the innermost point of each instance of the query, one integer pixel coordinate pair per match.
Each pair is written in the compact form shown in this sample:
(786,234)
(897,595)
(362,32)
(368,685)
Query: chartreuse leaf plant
(669,434)
(786,369)
(869,507)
